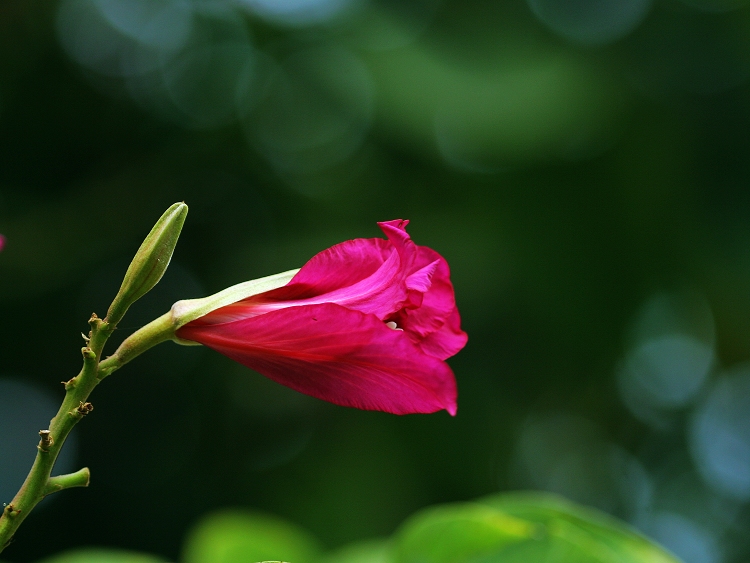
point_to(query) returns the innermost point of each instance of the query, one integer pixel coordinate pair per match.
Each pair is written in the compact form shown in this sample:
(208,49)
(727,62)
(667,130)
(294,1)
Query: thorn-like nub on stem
(46,441)
(84,408)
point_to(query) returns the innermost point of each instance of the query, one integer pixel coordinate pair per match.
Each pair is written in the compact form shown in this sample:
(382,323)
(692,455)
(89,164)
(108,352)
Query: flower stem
(157,331)
(75,406)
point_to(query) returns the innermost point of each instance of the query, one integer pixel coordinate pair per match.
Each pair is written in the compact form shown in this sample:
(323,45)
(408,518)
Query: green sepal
(188,310)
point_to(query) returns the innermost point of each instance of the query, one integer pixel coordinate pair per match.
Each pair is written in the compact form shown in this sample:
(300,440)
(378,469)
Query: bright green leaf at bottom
(248,537)
(459,533)
(371,551)
(521,528)
(576,533)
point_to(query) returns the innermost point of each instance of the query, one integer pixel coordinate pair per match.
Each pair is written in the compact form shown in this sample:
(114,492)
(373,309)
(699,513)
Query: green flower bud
(150,261)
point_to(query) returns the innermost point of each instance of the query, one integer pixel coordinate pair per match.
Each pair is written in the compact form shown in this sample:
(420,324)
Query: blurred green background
(583,166)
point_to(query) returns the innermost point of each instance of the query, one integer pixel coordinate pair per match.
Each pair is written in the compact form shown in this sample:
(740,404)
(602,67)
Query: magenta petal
(340,266)
(447,341)
(336,276)
(396,231)
(339,355)
(380,294)
(349,262)
(421,280)
(438,301)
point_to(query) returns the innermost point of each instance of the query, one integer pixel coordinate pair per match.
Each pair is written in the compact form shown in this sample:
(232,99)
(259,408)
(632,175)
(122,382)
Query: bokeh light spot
(720,435)
(690,542)
(297,12)
(316,111)
(670,356)
(202,81)
(568,455)
(591,22)
(165,24)
(88,38)
(670,369)
(390,24)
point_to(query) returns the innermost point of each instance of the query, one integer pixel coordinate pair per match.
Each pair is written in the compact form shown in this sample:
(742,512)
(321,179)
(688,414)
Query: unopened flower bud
(150,261)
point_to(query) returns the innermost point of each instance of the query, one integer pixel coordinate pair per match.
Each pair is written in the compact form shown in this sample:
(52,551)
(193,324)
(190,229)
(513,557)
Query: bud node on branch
(46,441)
(11,511)
(70,383)
(84,408)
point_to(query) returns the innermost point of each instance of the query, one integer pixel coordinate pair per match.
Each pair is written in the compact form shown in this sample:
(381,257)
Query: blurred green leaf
(585,534)
(458,533)
(371,551)
(519,528)
(102,556)
(244,537)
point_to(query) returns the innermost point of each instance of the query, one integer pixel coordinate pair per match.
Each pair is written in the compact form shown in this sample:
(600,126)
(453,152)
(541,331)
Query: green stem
(80,478)
(157,331)
(75,406)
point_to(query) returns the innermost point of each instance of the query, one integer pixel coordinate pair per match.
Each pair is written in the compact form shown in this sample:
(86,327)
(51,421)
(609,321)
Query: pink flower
(367,323)
(2,242)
